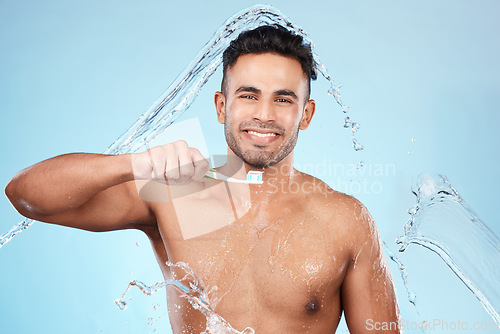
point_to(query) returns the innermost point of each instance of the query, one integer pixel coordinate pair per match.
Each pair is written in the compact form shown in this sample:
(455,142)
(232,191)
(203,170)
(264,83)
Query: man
(285,256)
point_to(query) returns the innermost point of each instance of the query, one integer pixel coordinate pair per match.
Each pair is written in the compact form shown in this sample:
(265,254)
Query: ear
(308,114)
(220,106)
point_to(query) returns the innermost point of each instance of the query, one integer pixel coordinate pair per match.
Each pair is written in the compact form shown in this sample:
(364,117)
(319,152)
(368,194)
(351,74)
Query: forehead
(267,71)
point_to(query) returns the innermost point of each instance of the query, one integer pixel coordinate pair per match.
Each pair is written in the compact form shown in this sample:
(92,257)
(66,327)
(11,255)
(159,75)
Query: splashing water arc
(173,103)
(442,222)
(421,229)
(179,96)
(190,287)
(184,90)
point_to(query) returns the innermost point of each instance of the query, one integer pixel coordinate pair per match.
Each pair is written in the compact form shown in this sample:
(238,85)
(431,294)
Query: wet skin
(278,268)
(287,256)
(281,258)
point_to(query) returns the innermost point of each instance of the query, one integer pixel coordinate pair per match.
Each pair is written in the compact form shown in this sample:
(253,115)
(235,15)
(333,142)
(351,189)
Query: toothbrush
(253,177)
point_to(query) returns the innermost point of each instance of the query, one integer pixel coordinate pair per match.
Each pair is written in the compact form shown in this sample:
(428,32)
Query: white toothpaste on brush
(253,177)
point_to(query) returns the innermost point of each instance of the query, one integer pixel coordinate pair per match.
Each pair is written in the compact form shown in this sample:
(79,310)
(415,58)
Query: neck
(274,177)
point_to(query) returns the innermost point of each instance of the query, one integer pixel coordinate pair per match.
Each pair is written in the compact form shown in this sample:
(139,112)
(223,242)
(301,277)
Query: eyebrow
(281,92)
(286,92)
(249,89)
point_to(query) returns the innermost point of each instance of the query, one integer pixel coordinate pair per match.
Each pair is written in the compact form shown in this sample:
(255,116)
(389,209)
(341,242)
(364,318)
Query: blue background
(75,74)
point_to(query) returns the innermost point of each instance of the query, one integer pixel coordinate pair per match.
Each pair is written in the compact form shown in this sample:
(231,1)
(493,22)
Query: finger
(201,165)
(186,167)
(157,162)
(172,164)
(155,165)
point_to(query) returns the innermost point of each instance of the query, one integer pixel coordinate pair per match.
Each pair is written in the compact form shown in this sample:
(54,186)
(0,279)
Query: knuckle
(150,152)
(168,148)
(159,152)
(194,150)
(181,143)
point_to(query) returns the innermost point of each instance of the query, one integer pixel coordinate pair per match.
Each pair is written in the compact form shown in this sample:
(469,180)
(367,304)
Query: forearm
(65,182)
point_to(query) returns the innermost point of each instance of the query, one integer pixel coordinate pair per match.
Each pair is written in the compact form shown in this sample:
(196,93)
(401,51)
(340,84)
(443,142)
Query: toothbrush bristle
(254,176)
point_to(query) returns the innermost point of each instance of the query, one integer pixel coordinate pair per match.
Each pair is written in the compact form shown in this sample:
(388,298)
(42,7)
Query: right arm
(97,192)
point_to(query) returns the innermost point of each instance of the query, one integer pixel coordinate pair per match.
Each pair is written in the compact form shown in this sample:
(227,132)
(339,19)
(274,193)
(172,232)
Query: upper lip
(261,130)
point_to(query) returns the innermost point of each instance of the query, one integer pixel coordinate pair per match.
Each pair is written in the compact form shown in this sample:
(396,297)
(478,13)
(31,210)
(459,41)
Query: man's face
(263,108)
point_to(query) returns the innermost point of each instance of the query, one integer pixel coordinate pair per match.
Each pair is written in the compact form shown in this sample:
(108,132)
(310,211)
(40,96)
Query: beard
(260,157)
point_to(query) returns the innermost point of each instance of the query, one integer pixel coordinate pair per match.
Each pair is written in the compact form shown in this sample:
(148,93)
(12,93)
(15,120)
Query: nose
(264,112)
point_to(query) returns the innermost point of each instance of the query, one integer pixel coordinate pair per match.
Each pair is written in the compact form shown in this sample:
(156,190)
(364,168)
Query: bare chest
(283,266)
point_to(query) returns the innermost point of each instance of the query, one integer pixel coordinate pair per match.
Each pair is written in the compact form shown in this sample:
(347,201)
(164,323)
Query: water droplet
(355,127)
(347,122)
(413,210)
(412,297)
(357,146)
(122,305)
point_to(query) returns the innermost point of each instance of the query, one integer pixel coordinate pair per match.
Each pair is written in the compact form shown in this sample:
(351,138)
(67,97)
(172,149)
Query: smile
(271,134)
(260,138)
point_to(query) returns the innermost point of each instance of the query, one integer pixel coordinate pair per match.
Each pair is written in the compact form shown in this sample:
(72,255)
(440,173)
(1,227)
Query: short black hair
(270,39)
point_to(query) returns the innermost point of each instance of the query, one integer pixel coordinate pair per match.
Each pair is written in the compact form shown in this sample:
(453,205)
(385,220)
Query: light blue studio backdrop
(74,75)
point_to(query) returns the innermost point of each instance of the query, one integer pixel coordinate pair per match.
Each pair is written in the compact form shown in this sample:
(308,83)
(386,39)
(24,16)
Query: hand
(174,163)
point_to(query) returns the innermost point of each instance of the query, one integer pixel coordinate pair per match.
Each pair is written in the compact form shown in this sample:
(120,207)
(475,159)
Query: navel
(312,305)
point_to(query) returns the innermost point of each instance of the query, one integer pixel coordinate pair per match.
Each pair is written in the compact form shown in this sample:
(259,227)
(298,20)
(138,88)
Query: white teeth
(262,134)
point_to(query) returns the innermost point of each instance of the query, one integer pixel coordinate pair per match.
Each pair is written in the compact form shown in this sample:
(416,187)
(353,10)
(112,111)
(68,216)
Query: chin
(257,163)
(258,157)
(260,161)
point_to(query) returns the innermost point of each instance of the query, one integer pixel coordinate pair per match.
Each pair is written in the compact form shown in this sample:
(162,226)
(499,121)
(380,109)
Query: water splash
(442,222)
(412,297)
(192,288)
(16,229)
(183,91)
(175,101)
(354,128)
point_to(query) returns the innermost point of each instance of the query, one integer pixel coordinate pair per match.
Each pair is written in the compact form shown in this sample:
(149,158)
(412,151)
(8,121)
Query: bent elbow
(17,200)
(10,191)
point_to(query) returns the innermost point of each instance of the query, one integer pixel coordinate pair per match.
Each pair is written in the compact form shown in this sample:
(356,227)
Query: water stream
(440,221)
(193,289)
(175,101)
(185,88)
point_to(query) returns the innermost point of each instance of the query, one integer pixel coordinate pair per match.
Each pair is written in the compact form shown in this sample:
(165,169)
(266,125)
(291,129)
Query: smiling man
(288,259)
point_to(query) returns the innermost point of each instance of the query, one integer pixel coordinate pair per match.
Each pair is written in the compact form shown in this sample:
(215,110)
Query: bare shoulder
(343,213)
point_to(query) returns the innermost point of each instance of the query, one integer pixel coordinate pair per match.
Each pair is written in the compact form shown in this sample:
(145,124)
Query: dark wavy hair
(270,39)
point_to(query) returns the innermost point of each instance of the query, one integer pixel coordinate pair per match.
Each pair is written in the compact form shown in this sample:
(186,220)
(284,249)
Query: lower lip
(260,140)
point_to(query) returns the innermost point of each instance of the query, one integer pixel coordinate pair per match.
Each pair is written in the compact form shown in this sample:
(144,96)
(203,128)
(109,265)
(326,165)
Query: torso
(278,264)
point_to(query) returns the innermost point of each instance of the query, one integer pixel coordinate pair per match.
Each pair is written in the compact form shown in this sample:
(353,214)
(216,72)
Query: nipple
(312,305)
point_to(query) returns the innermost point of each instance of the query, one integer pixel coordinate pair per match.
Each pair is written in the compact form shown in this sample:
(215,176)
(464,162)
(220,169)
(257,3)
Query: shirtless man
(287,256)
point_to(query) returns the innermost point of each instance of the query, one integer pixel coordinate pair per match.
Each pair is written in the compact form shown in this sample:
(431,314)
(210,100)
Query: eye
(250,97)
(281,100)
